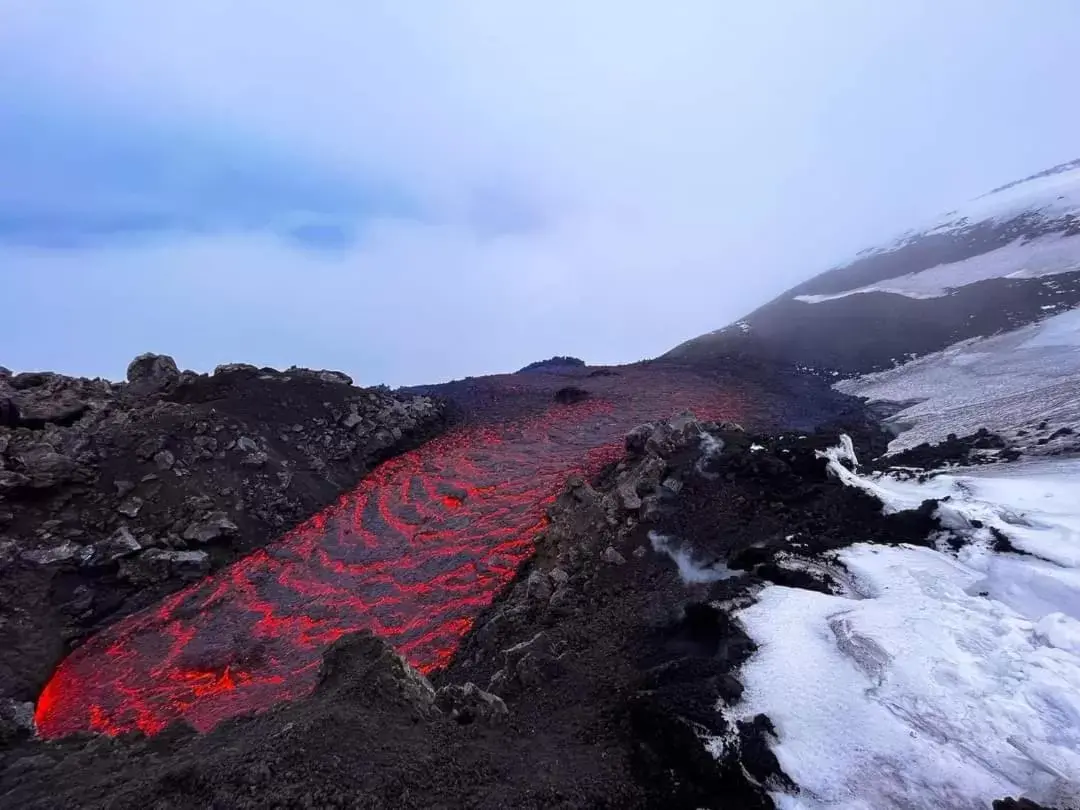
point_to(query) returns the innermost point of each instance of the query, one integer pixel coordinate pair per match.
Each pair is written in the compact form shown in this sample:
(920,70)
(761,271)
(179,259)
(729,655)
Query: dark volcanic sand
(414,553)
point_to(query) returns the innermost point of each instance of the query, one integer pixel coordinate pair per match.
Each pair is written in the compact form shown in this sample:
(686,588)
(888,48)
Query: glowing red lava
(413,553)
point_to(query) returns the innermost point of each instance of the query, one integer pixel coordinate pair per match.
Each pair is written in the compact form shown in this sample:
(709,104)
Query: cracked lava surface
(413,553)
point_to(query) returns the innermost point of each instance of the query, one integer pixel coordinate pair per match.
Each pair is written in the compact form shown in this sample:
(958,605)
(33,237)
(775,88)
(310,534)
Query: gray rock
(129,507)
(538,585)
(46,468)
(201,502)
(245,444)
(650,508)
(16,721)
(636,438)
(9,413)
(9,552)
(157,565)
(558,576)
(256,459)
(470,703)
(610,555)
(215,527)
(9,479)
(629,499)
(208,443)
(62,553)
(152,372)
(325,375)
(63,409)
(669,437)
(28,380)
(231,368)
(559,598)
(164,459)
(643,479)
(526,664)
(672,485)
(148,447)
(121,543)
(123,487)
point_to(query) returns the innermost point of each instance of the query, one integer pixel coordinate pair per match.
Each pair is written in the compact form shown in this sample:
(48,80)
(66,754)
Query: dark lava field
(413,553)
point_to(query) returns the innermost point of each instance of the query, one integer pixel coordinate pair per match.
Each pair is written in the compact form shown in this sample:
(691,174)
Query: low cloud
(416,193)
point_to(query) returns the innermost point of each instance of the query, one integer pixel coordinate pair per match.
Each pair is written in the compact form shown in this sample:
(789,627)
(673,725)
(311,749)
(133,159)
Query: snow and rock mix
(1009,383)
(935,676)
(1022,259)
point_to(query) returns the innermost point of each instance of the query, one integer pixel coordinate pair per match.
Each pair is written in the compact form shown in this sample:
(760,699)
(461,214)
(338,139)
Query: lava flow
(414,553)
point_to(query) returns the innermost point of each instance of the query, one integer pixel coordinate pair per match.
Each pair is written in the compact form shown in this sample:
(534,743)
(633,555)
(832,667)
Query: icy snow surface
(940,679)
(1004,382)
(1044,256)
(1054,194)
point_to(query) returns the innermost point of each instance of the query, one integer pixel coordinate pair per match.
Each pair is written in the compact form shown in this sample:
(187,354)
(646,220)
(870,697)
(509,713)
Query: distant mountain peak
(994,264)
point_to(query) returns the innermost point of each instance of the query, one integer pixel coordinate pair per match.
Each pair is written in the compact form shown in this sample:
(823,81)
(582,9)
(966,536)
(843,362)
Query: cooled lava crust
(414,553)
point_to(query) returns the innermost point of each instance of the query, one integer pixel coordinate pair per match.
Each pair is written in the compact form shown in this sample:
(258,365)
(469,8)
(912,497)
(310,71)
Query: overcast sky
(415,191)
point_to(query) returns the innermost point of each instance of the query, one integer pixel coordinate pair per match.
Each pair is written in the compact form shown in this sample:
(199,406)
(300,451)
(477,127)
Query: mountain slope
(1002,261)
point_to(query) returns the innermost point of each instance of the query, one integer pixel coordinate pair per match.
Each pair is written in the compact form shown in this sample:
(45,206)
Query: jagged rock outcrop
(469,704)
(365,668)
(148,373)
(113,494)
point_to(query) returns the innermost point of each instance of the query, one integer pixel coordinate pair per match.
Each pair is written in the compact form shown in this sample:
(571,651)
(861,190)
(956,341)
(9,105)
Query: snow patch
(1002,382)
(1054,193)
(948,679)
(1044,256)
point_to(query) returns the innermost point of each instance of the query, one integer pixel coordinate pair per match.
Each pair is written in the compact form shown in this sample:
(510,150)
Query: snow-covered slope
(996,264)
(1042,256)
(1050,194)
(934,677)
(937,677)
(1023,384)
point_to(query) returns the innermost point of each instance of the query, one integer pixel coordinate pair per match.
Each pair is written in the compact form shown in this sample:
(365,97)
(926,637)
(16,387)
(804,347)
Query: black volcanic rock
(9,413)
(152,372)
(571,394)
(114,494)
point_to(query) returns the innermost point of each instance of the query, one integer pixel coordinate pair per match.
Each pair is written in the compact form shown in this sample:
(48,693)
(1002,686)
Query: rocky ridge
(114,494)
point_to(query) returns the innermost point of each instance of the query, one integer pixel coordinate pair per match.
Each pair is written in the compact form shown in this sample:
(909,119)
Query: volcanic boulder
(149,373)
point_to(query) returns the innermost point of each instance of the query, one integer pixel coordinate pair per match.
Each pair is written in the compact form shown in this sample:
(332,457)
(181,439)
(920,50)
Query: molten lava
(414,553)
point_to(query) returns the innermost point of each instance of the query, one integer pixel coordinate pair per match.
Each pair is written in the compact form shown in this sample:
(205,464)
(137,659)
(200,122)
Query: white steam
(690,571)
